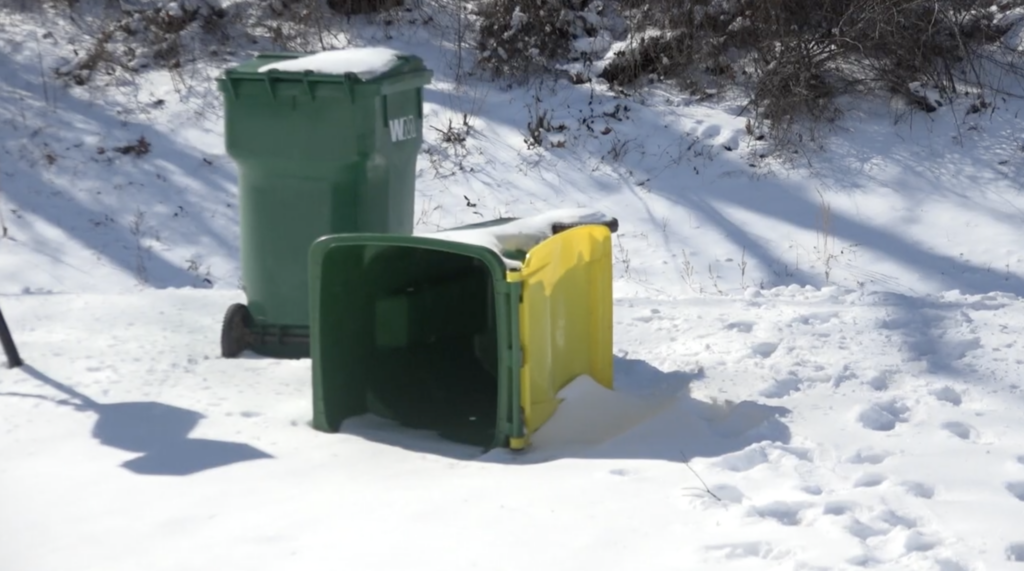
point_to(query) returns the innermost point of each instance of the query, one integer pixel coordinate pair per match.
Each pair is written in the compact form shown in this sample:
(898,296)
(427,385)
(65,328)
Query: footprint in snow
(959,429)
(949,565)
(916,542)
(879,381)
(741,326)
(839,507)
(864,560)
(919,489)
(1020,459)
(798,452)
(654,314)
(883,416)
(1016,489)
(869,480)
(1015,552)
(864,531)
(781,388)
(812,490)
(749,549)
(816,318)
(894,519)
(868,456)
(843,376)
(728,493)
(744,460)
(948,394)
(732,420)
(786,513)
(863,525)
(764,349)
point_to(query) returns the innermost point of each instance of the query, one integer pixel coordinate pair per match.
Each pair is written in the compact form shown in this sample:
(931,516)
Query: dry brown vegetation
(792,58)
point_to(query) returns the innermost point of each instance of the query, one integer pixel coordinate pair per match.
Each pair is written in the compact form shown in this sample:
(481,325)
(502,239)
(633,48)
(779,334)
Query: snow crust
(366,62)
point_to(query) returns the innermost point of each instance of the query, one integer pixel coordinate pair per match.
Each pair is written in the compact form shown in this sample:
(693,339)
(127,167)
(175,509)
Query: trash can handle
(612,225)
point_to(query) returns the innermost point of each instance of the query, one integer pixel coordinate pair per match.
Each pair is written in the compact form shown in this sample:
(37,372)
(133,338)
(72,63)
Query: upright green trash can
(325,144)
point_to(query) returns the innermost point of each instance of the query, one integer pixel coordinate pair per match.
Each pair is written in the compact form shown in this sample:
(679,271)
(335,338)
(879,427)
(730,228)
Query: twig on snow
(686,461)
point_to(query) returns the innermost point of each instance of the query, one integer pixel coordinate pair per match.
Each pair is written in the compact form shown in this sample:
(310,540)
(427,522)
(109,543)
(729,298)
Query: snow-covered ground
(830,344)
(835,428)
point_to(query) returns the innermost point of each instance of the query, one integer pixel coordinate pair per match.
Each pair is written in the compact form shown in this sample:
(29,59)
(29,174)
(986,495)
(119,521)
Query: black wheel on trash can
(234,334)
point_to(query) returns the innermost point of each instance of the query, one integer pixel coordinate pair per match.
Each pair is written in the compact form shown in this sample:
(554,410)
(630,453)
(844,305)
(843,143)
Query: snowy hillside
(817,365)
(930,204)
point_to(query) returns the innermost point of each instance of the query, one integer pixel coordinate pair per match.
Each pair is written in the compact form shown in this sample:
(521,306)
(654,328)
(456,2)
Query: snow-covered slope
(830,343)
(927,205)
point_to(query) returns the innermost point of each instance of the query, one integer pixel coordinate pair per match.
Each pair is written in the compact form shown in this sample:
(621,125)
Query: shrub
(794,56)
(518,38)
(140,34)
(353,7)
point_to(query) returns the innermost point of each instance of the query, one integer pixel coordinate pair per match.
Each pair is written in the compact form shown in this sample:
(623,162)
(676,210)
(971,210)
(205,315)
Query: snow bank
(522,234)
(367,63)
(593,421)
(590,414)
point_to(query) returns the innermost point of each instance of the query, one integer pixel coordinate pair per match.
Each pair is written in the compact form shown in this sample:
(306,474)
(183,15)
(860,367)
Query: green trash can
(437,333)
(325,144)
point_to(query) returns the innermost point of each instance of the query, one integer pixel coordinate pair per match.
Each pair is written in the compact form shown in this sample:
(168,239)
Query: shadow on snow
(649,416)
(158,432)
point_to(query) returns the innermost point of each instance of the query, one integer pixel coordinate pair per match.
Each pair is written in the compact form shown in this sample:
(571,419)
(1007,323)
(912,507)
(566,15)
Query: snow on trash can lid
(522,234)
(365,63)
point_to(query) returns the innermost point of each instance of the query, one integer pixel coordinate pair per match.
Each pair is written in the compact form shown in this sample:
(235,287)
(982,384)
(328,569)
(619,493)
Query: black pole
(13,359)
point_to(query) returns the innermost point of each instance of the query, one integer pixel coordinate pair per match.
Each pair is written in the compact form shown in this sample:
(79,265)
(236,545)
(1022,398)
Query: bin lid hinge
(231,87)
(309,88)
(270,85)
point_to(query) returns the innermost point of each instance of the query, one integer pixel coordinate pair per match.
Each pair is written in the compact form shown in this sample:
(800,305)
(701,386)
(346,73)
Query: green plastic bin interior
(418,330)
(317,154)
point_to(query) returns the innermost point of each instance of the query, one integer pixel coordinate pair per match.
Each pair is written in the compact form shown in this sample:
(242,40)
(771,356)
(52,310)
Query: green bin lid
(359,65)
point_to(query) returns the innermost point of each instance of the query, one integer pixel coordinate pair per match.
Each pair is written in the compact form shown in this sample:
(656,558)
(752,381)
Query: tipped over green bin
(441,334)
(325,144)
